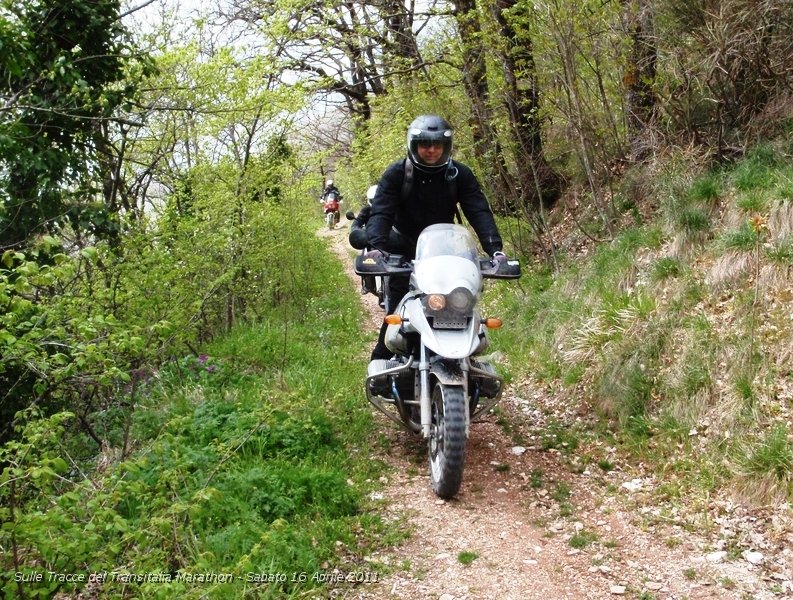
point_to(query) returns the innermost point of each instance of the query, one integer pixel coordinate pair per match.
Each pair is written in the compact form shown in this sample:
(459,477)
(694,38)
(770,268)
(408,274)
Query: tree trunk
(639,78)
(487,148)
(539,184)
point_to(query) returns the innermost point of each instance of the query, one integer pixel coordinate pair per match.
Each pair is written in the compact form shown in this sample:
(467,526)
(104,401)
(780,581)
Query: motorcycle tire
(330,220)
(447,440)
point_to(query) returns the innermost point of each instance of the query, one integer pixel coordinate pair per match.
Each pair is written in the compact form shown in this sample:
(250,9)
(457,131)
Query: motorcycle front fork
(425,398)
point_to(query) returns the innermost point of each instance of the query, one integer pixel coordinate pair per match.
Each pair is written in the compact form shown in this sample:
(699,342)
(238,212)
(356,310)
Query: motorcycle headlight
(460,300)
(436,302)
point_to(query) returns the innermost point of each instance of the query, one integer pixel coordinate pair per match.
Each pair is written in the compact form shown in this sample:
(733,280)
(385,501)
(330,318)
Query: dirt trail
(537,529)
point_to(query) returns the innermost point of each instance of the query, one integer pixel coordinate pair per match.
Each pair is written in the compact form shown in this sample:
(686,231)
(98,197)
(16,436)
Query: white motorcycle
(434,385)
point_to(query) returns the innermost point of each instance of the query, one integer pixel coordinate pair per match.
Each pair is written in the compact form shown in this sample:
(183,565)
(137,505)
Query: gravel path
(526,525)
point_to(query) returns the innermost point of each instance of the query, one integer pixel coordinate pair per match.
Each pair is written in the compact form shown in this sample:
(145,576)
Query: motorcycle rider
(422,190)
(329,187)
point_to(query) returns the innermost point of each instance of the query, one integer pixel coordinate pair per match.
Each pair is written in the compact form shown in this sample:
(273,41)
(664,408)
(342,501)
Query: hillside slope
(534,520)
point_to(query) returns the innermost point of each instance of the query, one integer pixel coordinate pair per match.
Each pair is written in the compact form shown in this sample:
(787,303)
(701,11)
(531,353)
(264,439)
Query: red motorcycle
(330,206)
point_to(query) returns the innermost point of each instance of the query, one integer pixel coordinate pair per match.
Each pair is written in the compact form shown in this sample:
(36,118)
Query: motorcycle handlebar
(396,264)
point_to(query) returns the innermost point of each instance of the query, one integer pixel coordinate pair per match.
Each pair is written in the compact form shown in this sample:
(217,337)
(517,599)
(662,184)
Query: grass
(466,557)
(253,458)
(768,463)
(582,539)
(651,333)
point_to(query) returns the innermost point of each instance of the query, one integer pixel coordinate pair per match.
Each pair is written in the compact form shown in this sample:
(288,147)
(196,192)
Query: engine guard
(402,416)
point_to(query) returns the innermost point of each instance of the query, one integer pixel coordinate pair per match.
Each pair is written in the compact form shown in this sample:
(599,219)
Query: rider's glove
(498,258)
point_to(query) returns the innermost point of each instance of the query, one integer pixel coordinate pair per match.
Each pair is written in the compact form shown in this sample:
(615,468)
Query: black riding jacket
(430,201)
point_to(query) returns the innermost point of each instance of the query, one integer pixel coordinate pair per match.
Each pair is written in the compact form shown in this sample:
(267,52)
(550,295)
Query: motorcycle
(330,206)
(437,381)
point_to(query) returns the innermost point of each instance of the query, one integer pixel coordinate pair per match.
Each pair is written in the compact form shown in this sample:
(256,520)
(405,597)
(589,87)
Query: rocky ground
(532,522)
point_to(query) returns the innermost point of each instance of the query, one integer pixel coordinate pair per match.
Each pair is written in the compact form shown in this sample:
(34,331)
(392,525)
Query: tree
(639,79)
(486,145)
(539,184)
(62,79)
(345,48)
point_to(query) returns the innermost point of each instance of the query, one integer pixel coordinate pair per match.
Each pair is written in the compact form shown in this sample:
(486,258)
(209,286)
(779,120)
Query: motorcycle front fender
(447,373)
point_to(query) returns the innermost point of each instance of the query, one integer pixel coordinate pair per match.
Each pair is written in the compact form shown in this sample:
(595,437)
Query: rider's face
(429,152)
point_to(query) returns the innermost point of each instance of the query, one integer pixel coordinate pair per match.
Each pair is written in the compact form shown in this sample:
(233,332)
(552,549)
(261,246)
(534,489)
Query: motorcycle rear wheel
(447,440)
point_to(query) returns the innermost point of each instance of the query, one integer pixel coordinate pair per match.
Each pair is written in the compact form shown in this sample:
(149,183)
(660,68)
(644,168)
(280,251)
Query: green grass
(466,557)
(743,239)
(253,458)
(771,459)
(667,267)
(582,539)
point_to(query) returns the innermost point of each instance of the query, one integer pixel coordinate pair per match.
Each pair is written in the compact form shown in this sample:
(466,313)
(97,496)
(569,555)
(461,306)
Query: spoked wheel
(447,440)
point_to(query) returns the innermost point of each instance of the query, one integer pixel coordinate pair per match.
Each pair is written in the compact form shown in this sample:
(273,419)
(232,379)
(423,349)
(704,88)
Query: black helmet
(429,128)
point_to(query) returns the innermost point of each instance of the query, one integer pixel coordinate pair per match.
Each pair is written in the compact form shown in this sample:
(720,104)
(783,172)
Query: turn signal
(493,323)
(393,319)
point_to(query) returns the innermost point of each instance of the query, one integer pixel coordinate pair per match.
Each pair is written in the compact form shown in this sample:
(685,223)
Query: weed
(466,557)
(694,220)
(781,252)
(706,189)
(690,574)
(752,202)
(559,437)
(582,539)
(666,267)
(606,465)
(769,463)
(535,478)
(743,239)
(756,171)
(562,492)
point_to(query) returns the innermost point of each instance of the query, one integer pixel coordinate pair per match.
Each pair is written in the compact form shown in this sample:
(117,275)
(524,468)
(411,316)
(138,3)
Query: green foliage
(757,170)
(240,464)
(771,457)
(667,267)
(752,202)
(743,239)
(781,252)
(706,189)
(582,539)
(466,557)
(65,69)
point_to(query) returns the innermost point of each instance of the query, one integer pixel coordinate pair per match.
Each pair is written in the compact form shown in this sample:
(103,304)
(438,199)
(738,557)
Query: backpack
(407,186)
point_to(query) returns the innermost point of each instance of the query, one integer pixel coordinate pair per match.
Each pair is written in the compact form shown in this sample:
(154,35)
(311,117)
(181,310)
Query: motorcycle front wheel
(330,220)
(447,440)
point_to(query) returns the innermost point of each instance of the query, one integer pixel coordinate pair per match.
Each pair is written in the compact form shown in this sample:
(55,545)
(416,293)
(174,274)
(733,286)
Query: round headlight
(461,300)
(436,301)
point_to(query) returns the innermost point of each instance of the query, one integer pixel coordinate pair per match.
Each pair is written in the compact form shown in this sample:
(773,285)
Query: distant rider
(329,187)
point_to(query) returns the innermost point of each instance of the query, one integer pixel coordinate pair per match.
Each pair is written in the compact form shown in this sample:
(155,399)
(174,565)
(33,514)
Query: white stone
(716,557)
(754,558)
(618,590)
(518,450)
(634,485)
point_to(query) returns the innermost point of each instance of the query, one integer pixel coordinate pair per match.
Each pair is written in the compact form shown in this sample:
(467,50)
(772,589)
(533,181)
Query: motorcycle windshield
(446,239)
(446,258)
